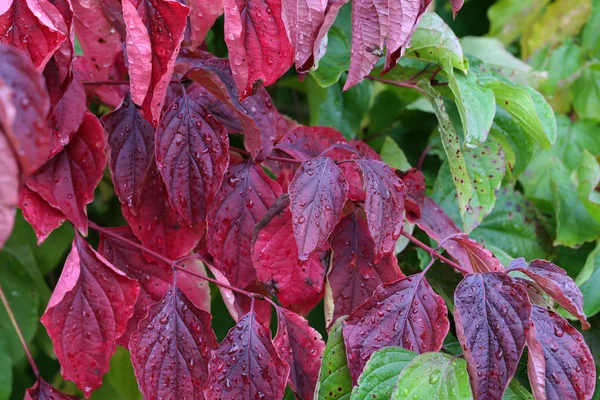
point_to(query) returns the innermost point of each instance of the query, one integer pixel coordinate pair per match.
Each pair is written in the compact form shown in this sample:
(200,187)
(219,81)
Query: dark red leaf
(257,42)
(302,348)
(305,142)
(68,180)
(384,204)
(203,15)
(66,116)
(42,390)
(245,196)
(405,313)
(192,156)
(414,181)
(274,253)
(9,181)
(352,172)
(561,365)
(87,313)
(42,216)
(171,349)
(492,314)
(354,274)
(61,63)
(226,114)
(364,150)
(556,283)
(246,365)
(130,150)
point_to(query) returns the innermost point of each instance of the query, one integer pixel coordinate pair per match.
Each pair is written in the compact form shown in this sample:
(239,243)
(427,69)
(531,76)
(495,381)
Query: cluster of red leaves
(329,220)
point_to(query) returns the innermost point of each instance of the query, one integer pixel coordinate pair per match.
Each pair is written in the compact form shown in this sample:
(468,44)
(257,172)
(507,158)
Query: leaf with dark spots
(492,315)
(302,348)
(384,204)
(9,184)
(297,285)
(87,313)
(130,150)
(414,181)
(561,365)
(243,199)
(171,349)
(259,48)
(354,275)
(66,116)
(554,280)
(42,390)
(305,142)
(246,364)
(42,216)
(406,313)
(192,154)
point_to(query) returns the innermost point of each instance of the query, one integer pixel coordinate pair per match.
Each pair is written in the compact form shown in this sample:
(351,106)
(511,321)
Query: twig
(422,157)
(406,84)
(434,253)
(273,158)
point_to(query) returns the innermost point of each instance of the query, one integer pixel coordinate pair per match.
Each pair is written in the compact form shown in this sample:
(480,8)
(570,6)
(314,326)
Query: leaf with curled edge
(561,365)
(246,364)
(317,197)
(42,216)
(171,348)
(203,15)
(302,348)
(406,313)
(67,182)
(491,314)
(66,116)
(130,150)
(192,154)
(305,142)
(9,181)
(42,390)
(554,280)
(414,181)
(354,275)
(297,285)
(242,201)
(384,204)
(259,48)
(60,66)
(87,313)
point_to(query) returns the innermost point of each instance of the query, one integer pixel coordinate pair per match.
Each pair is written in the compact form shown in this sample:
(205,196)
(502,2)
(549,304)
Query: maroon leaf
(492,316)
(131,150)
(556,283)
(352,172)
(305,142)
(226,114)
(67,181)
(302,348)
(257,42)
(317,197)
(203,15)
(354,274)
(243,199)
(246,365)
(66,116)
(9,181)
(274,253)
(414,181)
(87,313)
(481,259)
(171,349)
(561,365)
(42,390)
(61,63)
(42,216)
(384,204)
(364,150)
(192,156)
(405,313)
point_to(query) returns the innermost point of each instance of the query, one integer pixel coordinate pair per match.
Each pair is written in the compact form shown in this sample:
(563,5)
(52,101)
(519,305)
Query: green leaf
(589,282)
(334,380)
(586,93)
(516,391)
(508,18)
(381,373)
(6,374)
(336,59)
(563,62)
(588,177)
(434,376)
(119,382)
(393,155)
(386,107)
(592,339)
(591,35)
(517,147)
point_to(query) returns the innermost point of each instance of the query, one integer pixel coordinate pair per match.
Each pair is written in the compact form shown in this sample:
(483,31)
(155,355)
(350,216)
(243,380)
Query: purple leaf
(305,142)
(9,183)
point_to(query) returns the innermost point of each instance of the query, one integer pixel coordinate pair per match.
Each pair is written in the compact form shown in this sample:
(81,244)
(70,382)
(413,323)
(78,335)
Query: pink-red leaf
(302,348)
(317,197)
(67,115)
(492,314)
(561,365)
(246,365)
(42,390)
(245,196)
(405,313)
(9,180)
(456,6)
(414,181)
(87,313)
(112,95)
(305,142)
(203,15)
(42,216)
(171,349)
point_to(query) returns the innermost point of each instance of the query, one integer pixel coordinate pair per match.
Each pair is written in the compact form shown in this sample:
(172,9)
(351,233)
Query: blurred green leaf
(119,382)
(6,378)
(508,18)
(586,93)
(589,282)
(492,52)
(392,154)
(334,380)
(516,391)
(336,59)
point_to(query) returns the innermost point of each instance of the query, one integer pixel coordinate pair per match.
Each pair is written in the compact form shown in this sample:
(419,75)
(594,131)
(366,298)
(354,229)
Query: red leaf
(352,172)
(61,63)
(456,6)
(317,197)
(405,313)
(42,390)
(67,181)
(155,30)
(354,274)
(28,25)
(245,365)
(305,142)
(112,95)
(25,108)
(274,257)
(492,314)
(171,349)
(87,313)
(414,181)
(227,115)
(243,199)
(257,42)
(384,204)
(364,150)
(302,348)
(192,156)
(42,216)
(307,23)
(481,259)
(556,283)
(560,363)
(9,180)
(131,150)
(66,116)
(203,15)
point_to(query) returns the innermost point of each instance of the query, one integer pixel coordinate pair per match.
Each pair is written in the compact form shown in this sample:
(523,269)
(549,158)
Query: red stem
(434,253)
(113,83)
(273,158)
(422,157)
(405,84)
(9,311)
